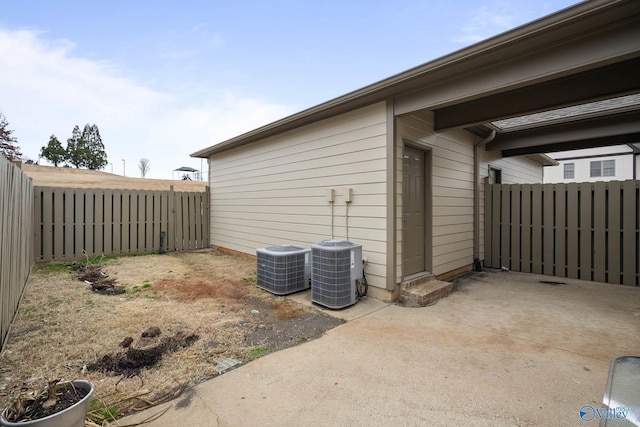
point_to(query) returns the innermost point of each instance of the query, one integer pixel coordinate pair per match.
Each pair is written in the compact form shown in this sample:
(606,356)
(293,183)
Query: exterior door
(413,211)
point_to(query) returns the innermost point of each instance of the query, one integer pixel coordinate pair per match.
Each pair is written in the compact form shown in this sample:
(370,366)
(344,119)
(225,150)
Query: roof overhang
(613,129)
(584,53)
(543,159)
(600,83)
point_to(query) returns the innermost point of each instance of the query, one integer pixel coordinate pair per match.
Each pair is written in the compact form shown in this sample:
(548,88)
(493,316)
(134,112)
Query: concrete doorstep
(423,291)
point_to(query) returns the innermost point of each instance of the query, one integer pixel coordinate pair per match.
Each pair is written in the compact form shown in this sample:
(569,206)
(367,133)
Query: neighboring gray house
(398,166)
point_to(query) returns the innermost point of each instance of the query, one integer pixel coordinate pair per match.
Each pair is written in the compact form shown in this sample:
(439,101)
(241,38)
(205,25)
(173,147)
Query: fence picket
(194,221)
(560,235)
(495,226)
(488,244)
(68,224)
(599,232)
(629,224)
(98,228)
(613,233)
(78,223)
(573,263)
(586,228)
(47,224)
(108,221)
(141,215)
(516,229)
(526,228)
(150,235)
(548,231)
(536,228)
(171,233)
(155,221)
(505,228)
(57,228)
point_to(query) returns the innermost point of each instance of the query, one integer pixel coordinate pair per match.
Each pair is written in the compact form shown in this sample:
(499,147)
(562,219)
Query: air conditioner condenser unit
(336,267)
(283,269)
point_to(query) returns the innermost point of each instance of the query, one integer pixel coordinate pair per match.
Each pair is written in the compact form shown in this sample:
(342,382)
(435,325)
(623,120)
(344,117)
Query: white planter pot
(72,416)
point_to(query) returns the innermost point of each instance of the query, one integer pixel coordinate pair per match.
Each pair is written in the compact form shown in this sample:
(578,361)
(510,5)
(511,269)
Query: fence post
(207,218)
(171,232)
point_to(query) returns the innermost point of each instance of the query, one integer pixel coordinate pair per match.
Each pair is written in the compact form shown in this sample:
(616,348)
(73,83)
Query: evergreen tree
(76,148)
(54,151)
(8,143)
(96,156)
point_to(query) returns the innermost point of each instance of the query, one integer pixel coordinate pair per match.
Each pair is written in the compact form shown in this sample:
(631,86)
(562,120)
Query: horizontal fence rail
(70,223)
(16,246)
(588,231)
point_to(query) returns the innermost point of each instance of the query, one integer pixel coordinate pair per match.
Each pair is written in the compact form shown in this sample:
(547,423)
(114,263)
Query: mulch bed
(144,352)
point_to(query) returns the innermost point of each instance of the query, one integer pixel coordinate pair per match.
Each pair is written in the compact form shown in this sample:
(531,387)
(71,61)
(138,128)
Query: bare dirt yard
(83,178)
(166,322)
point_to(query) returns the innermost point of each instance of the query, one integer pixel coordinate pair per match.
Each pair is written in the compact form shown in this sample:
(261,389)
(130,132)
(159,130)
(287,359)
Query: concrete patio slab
(362,308)
(505,349)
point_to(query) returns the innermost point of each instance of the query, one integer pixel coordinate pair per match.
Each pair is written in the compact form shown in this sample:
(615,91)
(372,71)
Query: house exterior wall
(581,159)
(274,191)
(451,180)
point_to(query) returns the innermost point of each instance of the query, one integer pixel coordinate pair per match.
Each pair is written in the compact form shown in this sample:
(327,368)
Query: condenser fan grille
(283,270)
(334,267)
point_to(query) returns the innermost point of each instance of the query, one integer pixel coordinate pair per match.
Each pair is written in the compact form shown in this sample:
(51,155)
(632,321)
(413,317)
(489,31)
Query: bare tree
(144,166)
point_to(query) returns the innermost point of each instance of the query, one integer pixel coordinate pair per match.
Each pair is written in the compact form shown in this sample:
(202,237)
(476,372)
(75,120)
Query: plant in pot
(60,404)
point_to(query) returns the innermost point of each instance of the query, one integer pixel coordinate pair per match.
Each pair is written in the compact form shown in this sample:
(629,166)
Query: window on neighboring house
(495,176)
(609,168)
(569,171)
(603,168)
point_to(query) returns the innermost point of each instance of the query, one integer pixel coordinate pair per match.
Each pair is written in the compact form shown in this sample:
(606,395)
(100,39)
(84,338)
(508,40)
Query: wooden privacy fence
(71,221)
(586,231)
(16,245)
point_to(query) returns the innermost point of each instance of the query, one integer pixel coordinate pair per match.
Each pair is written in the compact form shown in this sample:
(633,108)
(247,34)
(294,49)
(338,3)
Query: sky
(163,79)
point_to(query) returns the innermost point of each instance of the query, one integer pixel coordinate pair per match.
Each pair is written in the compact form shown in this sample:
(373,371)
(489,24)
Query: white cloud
(45,89)
(485,22)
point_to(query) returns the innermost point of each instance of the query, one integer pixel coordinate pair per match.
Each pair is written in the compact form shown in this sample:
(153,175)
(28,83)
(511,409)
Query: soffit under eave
(593,85)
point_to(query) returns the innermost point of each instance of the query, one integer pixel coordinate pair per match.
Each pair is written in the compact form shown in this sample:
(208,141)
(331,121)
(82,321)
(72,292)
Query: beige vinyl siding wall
(274,191)
(515,170)
(451,187)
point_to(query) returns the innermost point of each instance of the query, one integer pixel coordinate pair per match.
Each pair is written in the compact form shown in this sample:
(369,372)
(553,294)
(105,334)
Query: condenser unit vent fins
(283,269)
(336,265)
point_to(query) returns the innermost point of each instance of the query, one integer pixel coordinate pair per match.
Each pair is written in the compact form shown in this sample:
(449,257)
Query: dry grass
(82,178)
(62,326)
